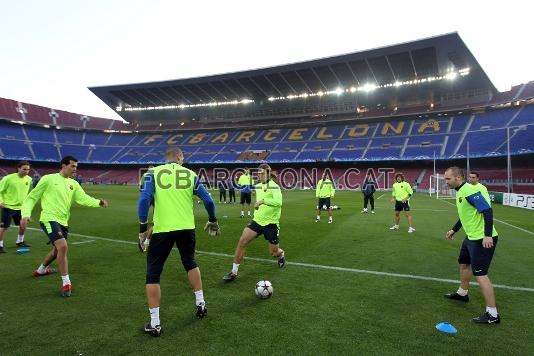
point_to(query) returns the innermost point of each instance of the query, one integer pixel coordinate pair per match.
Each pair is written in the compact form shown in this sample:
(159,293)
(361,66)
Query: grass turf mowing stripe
(324,267)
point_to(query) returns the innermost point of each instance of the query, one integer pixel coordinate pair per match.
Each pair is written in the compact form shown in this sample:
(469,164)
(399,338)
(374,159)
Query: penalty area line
(316,266)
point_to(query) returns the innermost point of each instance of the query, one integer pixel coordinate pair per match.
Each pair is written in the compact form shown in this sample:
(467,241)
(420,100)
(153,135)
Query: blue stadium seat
(13,149)
(492,119)
(11,131)
(347,155)
(312,156)
(45,151)
(78,151)
(526,116)
(95,138)
(40,134)
(66,136)
(104,154)
(487,137)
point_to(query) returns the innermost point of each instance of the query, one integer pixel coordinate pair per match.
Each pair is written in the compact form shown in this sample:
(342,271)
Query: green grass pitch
(315,309)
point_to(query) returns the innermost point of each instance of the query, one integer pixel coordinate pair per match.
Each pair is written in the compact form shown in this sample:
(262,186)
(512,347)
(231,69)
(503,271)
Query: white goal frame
(439,189)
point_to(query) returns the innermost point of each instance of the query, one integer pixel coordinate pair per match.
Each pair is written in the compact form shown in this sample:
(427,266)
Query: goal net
(439,189)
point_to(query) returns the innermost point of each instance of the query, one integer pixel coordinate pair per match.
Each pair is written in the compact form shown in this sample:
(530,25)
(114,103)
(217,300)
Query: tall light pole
(468,168)
(508,161)
(508,158)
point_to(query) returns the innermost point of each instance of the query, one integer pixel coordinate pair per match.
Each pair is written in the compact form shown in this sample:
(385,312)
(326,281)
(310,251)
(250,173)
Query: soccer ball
(264,289)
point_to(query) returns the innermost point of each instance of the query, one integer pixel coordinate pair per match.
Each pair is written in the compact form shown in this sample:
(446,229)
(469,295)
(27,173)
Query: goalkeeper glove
(212,228)
(144,237)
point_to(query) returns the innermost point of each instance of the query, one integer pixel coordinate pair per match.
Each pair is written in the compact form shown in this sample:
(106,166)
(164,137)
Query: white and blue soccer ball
(264,289)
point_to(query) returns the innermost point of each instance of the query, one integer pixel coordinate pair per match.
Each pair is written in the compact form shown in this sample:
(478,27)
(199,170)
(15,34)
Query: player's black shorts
(246,198)
(323,202)
(161,245)
(474,254)
(400,206)
(54,230)
(8,215)
(270,232)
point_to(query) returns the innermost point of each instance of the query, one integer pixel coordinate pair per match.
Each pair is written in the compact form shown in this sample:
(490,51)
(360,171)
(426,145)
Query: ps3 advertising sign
(524,201)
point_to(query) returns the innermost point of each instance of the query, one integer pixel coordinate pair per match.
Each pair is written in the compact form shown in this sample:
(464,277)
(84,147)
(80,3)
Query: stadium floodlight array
(369,87)
(366,88)
(184,106)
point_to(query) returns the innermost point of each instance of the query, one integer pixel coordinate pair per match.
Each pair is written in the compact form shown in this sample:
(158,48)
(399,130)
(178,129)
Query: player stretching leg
(266,221)
(57,193)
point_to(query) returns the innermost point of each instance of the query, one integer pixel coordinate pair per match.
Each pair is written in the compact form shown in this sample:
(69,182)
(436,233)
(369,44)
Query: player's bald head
(454,177)
(174,153)
(456,172)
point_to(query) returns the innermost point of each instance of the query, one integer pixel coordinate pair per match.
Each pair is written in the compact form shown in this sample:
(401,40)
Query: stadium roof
(442,64)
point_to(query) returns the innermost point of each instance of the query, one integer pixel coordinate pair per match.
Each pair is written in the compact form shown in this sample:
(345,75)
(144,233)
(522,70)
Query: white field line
(422,209)
(314,266)
(82,242)
(502,222)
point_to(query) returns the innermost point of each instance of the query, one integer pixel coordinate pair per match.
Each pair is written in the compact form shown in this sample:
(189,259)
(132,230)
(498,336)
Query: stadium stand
(400,103)
(399,139)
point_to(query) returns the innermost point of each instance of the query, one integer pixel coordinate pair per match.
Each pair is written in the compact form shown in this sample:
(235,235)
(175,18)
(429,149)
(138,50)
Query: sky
(51,51)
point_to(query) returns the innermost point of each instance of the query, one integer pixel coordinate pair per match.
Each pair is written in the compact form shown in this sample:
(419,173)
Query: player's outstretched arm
(201,192)
(84,199)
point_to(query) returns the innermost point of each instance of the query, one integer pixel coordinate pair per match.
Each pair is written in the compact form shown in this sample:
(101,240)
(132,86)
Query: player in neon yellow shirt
(171,186)
(245,184)
(324,192)
(401,193)
(478,247)
(57,193)
(474,180)
(13,190)
(266,221)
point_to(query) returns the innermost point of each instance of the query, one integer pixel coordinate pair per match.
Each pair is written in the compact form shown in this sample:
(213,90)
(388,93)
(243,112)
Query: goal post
(439,189)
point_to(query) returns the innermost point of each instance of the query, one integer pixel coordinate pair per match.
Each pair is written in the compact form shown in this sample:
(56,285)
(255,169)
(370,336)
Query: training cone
(447,328)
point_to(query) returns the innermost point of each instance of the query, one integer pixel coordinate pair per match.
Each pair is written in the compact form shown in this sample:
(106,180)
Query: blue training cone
(447,328)
(23,250)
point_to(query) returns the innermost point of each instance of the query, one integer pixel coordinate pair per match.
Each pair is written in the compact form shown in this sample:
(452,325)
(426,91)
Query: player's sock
(66,280)
(41,269)
(2,243)
(330,218)
(199,296)
(462,292)
(154,316)
(492,311)
(235,268)
(318,217)
(20,238)
(248,213)
(242,213)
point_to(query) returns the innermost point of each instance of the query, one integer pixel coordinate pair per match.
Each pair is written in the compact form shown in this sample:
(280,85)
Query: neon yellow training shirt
(401,191)
(57,194)
(271,209)
(470,203)
(14,189)
(482,189)
(173,198)
(325,189)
